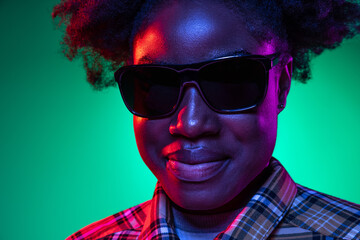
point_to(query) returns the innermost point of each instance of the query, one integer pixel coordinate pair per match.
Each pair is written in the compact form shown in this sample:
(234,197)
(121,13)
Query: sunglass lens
(234,83)
(150,91)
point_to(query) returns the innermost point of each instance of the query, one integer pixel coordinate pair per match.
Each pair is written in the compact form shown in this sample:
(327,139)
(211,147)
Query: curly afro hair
(101,31)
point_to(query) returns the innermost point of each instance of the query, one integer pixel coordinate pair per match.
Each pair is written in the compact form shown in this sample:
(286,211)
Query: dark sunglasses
(227,85)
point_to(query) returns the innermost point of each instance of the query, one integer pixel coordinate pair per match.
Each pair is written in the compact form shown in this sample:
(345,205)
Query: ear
(284,84)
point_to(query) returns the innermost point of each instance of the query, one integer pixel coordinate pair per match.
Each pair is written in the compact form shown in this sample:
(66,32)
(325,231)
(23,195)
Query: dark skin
(203,159)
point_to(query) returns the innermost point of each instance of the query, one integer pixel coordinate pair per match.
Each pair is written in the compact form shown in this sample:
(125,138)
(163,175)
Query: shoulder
(324,214)
(129,220)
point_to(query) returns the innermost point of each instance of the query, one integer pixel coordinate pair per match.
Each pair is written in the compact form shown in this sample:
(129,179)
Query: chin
(198,197)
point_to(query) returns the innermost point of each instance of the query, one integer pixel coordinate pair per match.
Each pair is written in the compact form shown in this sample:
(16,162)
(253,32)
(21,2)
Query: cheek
(145,134)
(256,130)
(266,117)
(151,136)
(141,129)
(253,129)
(267,112)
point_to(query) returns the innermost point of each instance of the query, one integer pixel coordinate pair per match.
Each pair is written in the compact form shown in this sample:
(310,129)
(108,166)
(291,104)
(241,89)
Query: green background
(68,154)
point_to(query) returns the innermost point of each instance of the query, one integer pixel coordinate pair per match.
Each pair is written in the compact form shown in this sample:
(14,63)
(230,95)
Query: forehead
(193,31)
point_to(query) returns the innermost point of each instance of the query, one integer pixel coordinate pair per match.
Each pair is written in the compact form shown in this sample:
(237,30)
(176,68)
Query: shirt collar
(257,219)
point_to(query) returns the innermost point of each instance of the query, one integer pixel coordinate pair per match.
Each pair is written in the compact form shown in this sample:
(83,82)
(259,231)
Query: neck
(216,220)
(202,223)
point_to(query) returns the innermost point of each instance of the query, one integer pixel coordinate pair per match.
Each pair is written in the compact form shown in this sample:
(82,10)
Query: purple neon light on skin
(238,146)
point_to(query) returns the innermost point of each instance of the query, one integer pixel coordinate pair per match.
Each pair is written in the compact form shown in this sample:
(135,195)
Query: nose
(194,118)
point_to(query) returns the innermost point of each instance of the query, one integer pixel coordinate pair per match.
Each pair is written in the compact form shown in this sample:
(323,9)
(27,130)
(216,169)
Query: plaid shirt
(280,209)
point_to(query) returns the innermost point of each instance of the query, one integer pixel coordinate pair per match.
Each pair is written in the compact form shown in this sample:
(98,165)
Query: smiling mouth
(198,172)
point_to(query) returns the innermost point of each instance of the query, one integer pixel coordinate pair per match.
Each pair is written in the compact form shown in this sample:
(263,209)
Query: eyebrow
(240,52)
(148,60)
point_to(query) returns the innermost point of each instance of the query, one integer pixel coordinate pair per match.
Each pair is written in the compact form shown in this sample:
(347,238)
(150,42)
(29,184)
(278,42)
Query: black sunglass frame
(267,61)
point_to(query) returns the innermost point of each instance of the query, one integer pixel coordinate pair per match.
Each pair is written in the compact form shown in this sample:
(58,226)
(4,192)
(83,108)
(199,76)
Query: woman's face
(203,159)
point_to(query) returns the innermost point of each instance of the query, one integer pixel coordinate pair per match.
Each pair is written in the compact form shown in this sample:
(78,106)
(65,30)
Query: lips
(194,163)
